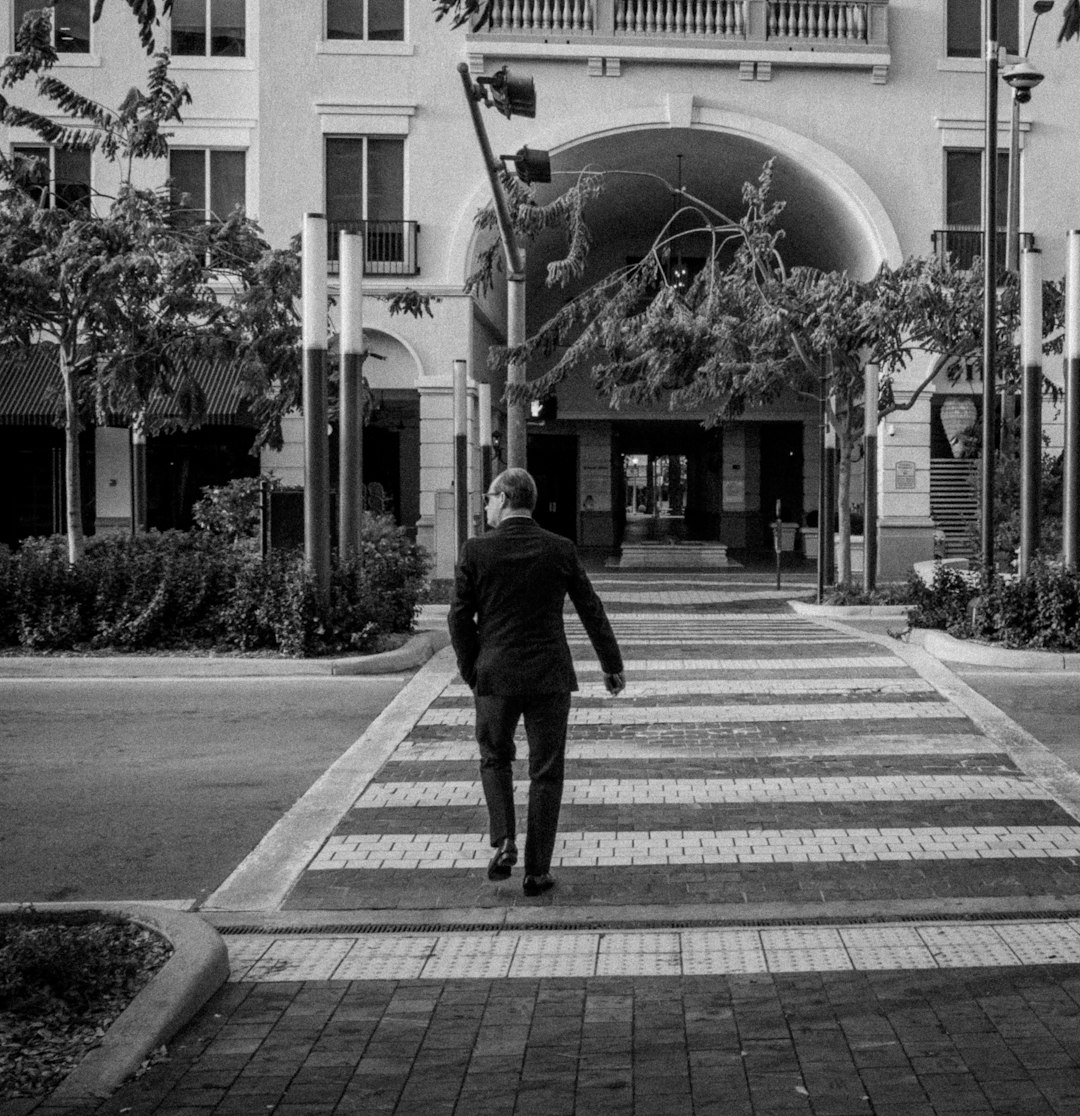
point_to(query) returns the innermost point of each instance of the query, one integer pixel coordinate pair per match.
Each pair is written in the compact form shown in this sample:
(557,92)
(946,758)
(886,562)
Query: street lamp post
(989,339)
(512,97)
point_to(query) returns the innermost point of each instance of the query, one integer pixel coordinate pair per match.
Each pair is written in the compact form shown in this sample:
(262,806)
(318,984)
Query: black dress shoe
(537,885)
(504,859)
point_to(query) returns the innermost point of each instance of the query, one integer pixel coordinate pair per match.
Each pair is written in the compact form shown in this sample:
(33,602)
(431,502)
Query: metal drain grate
(642,924)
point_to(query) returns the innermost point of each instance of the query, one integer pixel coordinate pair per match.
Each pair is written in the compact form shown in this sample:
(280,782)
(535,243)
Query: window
(964,36)
(61,178)
(381,20)
(365,179)
(365,192)
(71,23)
(963,187)
(208,28)
(207,185)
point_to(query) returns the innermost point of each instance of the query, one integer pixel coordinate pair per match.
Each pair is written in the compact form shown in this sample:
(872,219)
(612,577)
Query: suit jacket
(506,614)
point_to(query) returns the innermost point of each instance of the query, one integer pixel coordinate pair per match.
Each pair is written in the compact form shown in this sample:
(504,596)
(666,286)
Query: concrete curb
(415,652)
(198,967)
(952,650)
(851,612)
(263,880)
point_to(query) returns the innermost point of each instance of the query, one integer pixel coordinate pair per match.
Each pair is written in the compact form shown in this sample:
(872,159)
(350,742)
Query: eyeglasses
(488,496)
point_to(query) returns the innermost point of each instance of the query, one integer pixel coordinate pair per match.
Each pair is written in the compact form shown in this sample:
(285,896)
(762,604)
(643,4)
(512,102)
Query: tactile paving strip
(458,955)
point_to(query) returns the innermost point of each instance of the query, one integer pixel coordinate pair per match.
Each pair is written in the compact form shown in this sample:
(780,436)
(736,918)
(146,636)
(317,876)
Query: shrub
(944,603)
(231,511)
(198,590)
(1041,610)
(850,593)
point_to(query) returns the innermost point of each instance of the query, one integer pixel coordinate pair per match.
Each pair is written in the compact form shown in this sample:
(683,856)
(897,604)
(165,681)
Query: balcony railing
(389,246)
(790,24)
(964,244)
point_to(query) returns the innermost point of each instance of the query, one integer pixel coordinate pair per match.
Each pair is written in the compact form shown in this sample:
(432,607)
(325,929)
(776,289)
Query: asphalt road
(1045,702)
(157,788)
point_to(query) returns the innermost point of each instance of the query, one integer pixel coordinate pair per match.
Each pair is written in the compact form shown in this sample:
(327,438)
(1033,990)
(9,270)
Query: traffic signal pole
(515,277)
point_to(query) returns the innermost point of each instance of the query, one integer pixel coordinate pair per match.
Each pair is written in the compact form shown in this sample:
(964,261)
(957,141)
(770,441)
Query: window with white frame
(206,184)
(209,28)
(60,179)
(371,20)
(963,27)
(70,20)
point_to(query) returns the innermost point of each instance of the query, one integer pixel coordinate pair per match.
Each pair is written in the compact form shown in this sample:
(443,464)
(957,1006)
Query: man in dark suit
(506,625)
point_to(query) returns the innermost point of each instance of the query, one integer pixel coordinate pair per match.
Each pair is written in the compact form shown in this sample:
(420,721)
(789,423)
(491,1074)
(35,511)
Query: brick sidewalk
(793,876)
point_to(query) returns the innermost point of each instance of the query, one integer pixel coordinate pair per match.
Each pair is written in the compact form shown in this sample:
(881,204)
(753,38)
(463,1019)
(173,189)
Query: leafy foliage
(1041,610)
(231,511)
(197,590)
(944,603)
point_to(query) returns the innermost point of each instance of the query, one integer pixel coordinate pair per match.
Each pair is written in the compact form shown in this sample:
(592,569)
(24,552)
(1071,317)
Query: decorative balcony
(783,32)
(389,246)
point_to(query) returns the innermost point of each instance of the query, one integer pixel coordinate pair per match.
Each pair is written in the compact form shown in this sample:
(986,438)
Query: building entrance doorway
(667,482)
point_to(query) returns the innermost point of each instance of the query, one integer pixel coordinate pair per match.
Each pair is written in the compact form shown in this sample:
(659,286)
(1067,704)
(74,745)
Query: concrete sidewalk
(801,869)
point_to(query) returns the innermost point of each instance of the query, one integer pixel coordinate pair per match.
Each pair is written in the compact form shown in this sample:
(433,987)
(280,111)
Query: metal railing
(389,246)
(964,244)
(838,24)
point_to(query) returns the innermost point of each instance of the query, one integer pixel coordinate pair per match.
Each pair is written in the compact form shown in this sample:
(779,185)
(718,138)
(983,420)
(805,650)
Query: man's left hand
(615,683)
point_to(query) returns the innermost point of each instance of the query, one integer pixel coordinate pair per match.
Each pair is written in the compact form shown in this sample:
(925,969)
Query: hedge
(1041,610)
(176,590)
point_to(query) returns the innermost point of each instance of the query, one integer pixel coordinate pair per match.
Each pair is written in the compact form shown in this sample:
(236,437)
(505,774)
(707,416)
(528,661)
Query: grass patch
(64,978)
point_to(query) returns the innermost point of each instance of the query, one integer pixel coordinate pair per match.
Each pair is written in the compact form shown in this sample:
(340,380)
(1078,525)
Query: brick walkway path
(800,870)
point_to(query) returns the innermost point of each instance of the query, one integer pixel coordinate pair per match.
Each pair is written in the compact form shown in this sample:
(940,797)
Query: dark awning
(30,390)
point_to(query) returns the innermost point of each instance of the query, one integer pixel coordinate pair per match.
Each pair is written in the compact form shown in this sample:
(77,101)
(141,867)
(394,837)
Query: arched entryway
(664,474)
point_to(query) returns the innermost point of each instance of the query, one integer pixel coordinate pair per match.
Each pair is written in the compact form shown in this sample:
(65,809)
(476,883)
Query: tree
(129,293)
(747,328)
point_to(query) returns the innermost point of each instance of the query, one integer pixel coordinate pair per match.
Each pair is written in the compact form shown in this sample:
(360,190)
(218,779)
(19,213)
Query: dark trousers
(545,716)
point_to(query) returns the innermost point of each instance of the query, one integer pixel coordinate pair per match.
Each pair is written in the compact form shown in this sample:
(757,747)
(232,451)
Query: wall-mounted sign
(905,474)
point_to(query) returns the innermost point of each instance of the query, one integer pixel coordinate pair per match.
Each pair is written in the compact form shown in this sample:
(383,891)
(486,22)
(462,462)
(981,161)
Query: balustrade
(816,19)
(839,23)
(723,18)
(542,15)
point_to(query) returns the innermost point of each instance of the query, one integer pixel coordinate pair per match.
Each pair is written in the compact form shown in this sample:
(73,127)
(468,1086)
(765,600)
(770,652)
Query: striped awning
(30,390)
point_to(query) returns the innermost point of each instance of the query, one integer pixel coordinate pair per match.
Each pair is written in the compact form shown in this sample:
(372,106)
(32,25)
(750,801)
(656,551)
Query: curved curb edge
(413,653)
(198,967)
(416,651)
(853,612)
(944,646)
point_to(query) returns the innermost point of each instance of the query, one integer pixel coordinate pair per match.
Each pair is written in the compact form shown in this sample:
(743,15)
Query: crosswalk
(752,759)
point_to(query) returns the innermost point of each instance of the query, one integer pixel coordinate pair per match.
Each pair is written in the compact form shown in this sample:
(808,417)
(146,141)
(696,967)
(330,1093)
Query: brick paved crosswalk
(798,872)
(753,758)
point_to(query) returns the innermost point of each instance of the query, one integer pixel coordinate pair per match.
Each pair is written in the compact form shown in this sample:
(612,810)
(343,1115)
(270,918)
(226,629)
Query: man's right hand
(615,683)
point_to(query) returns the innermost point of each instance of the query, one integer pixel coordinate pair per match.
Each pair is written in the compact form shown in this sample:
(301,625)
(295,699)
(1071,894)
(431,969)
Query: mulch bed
(64,978)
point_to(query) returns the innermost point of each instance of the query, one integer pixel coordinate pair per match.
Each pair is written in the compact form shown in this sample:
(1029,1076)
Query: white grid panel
(956,946)
(470,956)
(696,951)
(300,959)
(639,954)
(402,957)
